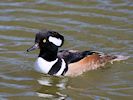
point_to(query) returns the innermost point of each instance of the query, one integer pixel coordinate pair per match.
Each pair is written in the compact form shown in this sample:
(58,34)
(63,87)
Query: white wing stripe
(63,66)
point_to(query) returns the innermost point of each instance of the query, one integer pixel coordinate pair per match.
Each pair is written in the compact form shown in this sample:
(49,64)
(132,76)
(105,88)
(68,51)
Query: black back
(71,57)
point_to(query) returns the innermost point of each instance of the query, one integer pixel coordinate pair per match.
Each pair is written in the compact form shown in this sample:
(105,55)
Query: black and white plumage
(66,62)
(48,61)
(57,67)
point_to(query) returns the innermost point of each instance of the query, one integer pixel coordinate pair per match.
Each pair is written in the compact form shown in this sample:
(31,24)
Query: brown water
(104,25)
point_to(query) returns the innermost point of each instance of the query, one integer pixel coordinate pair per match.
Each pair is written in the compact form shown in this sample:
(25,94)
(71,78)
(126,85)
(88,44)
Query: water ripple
(16,86)
(18,4)
(15,78)
(2,27)
(13,38)
(18,94)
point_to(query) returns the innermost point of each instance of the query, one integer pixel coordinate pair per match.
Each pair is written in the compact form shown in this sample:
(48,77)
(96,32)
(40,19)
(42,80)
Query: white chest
(44,66)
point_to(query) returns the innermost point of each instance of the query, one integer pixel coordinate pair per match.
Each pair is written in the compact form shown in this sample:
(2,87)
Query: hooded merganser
(66,62)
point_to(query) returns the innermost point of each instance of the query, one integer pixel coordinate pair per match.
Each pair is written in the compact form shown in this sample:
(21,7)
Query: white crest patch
(55,41)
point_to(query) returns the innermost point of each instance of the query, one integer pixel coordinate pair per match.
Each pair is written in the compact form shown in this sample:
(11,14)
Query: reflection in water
(56,96)
(55,84)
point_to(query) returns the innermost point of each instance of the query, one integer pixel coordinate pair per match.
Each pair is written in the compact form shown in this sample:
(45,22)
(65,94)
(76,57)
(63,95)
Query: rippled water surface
(104,25)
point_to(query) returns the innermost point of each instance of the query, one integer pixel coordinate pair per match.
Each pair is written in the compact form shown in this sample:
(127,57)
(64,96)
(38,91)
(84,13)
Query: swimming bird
(66,62)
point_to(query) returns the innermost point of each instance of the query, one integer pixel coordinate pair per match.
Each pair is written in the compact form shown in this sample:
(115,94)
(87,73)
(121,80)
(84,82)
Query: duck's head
(47,40)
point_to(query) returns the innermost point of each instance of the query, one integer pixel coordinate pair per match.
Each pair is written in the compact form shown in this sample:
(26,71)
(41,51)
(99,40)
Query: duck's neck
(49,55)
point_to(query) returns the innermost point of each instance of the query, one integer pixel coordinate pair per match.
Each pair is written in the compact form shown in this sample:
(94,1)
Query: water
(104,25)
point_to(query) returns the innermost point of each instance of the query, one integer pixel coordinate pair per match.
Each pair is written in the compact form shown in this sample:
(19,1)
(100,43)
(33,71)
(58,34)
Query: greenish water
(104,25)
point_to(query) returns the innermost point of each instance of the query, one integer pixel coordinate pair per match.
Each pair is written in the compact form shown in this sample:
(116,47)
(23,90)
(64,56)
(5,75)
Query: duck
(53,61)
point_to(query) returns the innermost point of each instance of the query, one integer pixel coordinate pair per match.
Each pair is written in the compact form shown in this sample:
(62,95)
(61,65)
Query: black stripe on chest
(65,70)
(56,67)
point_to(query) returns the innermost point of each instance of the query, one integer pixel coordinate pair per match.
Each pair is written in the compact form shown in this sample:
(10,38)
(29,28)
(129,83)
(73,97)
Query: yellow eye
(44,40)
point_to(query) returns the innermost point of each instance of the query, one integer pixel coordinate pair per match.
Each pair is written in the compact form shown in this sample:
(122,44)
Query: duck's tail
(118,58)
(105,58)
